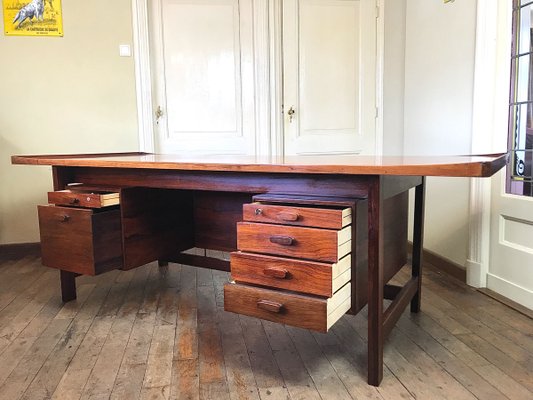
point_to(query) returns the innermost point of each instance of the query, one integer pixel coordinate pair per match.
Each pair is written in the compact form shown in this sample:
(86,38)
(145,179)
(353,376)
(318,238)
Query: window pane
(522,88)
(521,105)
(525,25)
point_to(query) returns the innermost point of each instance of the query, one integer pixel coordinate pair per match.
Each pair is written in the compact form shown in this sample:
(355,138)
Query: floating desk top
(453,166)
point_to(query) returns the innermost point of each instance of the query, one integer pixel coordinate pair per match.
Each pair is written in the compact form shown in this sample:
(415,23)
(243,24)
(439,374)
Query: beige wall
(75,94)
(62,95)
(439,79)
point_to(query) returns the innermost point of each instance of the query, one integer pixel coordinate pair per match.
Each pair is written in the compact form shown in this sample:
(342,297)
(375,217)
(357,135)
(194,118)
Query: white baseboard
(510,290)
(475,274)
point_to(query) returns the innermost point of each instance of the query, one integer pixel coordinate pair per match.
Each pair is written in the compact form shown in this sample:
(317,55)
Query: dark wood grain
(220,181)
(78,199)
(156,224)
(308,243)
(294,215)
(418,242)
(298,275)
(352,165)
(296,310)
(200,261)
(80,240)
(375,281)
(215,217)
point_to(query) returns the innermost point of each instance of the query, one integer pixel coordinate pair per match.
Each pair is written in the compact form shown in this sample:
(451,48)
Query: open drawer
(80,240)
(84,198)
(308,312)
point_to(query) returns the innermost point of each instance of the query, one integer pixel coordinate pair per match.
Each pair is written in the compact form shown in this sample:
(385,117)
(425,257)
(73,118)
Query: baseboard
(442,263)
(512,291)
(19,250)
(508,302)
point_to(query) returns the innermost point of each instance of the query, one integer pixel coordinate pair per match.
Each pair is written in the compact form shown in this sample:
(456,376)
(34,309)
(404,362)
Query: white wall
(72,94)
(439,71)
(394,19)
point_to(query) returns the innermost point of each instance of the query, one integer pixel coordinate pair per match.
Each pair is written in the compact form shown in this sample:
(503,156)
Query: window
(520,179)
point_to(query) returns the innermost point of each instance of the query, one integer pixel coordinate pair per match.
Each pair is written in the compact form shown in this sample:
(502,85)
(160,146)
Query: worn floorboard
(162,333)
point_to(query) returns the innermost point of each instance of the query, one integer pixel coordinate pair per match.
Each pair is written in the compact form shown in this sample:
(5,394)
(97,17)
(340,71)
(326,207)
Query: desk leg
(418,239)
(375,282)
(68,285)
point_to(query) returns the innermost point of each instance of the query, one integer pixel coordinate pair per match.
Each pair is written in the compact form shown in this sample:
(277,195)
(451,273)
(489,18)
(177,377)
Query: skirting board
(513,292)
(19,250)
(442,263)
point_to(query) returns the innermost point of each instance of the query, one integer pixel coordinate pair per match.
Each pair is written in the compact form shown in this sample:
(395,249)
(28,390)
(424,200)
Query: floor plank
(161,333)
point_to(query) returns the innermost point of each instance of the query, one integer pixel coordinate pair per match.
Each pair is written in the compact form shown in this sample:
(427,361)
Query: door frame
(491,95)
(268,75)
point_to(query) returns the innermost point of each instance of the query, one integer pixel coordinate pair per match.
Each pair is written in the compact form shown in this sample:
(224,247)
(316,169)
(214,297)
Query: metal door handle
(290,113)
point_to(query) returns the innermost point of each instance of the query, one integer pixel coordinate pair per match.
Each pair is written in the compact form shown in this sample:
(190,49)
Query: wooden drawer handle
(65,218)
(277,273)
(288,216)
(270,306)
(74,201)
(282,240)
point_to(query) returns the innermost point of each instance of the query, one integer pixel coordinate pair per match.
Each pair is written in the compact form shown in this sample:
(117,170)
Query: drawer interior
(84,198)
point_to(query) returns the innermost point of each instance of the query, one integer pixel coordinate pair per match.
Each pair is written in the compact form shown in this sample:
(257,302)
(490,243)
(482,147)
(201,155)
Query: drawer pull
(277,273)
(65,218)
(270,306)
(258,211)
(288,216)
(74,201)
(282,240)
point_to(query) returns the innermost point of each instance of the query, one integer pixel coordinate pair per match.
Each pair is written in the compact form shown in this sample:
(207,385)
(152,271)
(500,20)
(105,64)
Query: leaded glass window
(521,101)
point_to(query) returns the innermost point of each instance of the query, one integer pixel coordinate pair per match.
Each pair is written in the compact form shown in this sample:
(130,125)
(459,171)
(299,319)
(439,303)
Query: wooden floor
(159,334)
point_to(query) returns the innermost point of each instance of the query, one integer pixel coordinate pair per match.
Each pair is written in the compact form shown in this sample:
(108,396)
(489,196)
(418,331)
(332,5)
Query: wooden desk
(169,204)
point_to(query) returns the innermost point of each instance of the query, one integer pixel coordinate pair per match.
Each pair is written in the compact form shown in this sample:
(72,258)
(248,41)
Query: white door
(329,77)
(511,251)
(511,258)
(204,76)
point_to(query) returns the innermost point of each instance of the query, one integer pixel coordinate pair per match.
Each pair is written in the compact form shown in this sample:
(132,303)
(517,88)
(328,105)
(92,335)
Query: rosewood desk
(312,238)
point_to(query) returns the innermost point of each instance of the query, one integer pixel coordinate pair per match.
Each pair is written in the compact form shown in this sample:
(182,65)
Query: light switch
(124,50)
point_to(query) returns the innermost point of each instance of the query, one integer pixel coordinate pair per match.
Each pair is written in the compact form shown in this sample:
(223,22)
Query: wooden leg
(375,283)
(418,239)
(68,285)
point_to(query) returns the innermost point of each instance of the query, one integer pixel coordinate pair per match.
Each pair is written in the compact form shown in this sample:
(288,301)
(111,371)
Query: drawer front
(299,216)
(287,308)
(79,240)
(87,199)
(299,242)
(321,279)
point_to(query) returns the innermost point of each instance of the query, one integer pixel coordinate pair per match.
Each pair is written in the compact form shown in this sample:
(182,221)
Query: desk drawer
(300,242)
(321,279)
(332,218)
(80,240)
(307,312)
(84,198)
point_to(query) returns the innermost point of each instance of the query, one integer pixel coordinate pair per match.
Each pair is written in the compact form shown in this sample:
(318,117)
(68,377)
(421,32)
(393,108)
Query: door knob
(291,112)
(158,114)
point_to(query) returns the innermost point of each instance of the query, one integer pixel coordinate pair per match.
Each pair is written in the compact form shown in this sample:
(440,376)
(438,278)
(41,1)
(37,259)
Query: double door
(236,76)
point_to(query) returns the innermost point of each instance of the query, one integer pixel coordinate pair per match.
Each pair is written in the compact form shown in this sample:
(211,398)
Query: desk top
(458,166)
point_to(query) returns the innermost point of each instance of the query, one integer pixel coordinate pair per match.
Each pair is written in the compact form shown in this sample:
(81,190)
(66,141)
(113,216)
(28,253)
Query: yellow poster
(33,17)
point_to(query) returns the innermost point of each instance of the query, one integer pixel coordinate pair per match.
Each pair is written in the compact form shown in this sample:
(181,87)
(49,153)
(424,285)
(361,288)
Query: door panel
(207,85)
(510,271)
(511,251)
(329,76)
